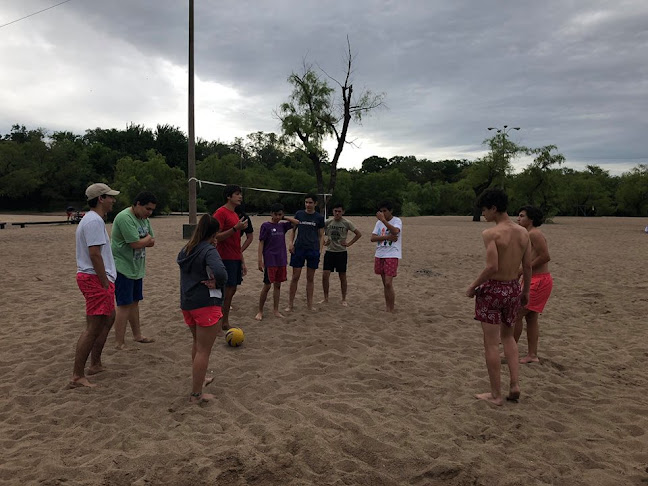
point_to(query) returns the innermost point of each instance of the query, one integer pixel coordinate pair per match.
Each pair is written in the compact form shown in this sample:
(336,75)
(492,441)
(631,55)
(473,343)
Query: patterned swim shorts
(498,302)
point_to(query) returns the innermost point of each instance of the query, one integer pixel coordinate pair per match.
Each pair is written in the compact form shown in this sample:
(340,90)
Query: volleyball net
(261,189)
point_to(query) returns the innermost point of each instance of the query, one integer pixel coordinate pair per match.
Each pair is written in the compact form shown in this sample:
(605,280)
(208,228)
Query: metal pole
(192,128)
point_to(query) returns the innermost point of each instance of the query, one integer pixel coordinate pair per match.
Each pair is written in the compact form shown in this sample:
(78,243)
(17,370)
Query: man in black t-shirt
(306,249)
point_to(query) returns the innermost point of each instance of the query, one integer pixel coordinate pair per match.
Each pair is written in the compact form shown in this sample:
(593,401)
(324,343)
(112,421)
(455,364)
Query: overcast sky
(570,73)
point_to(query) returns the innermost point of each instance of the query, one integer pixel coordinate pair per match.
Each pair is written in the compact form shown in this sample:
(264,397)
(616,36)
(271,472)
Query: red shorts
(275,274)
(386,266)
(99,301)
(203,316)
(541,285)
(498,302)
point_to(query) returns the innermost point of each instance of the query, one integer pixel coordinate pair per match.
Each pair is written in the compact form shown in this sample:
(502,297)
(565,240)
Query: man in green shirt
(131,235)
(335,258)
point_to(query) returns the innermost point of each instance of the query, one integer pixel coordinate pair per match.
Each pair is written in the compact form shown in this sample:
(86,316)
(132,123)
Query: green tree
(154,175)
(312,115)
(537,184)
(632,192)
(492,169)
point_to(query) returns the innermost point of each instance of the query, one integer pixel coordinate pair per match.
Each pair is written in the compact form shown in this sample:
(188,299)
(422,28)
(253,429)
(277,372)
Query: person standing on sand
(96,275)
(131,236)
(202,282)
(387,234)
(228,244)
(531,218)
(306,249)
(497,290)
(336,256)
(272,256)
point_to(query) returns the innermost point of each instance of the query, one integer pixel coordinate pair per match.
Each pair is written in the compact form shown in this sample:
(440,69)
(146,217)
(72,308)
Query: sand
(337,396)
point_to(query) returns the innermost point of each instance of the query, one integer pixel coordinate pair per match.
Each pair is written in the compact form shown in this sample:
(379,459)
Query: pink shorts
(203,316)
(386,266)
(498,302)
(541,285)
(99,301)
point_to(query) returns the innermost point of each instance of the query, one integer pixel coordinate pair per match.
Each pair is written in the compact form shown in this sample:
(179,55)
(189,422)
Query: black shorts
(234,272)
(335,261)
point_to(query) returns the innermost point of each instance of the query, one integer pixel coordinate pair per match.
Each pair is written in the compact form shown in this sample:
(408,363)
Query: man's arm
(260,256)
(526,273)
(145,242)
(357,236)
(98,265)
(492,263)
(223,235)
(320,233)
(387,237)
(539,244)
(392,229)
(291,245)
(248,241)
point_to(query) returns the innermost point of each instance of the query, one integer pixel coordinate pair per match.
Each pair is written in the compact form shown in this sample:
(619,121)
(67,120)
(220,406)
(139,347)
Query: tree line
(41,171)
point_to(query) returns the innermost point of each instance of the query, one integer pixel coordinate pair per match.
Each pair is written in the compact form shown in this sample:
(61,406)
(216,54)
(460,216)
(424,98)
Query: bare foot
(259,316)
(120,346)
(278,314)
(325,301)
(144,340)
(488,397)
(529,359)
(313,309)
(93,370)
(288,309)
(208,380)
(202,398)
(514,393)
(80,382)
(344,303)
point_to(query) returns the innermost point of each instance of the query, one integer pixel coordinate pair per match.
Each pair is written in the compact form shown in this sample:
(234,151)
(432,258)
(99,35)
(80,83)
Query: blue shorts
(234,272)
(128,290)
(311,257)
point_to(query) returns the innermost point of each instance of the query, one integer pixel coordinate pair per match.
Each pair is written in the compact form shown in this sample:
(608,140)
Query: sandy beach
(338,396)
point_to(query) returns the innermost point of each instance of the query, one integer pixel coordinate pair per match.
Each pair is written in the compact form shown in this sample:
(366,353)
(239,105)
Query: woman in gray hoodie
(202,283)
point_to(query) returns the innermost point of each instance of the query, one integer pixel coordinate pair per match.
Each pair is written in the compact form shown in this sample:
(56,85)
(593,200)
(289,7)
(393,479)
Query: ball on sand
(234,336)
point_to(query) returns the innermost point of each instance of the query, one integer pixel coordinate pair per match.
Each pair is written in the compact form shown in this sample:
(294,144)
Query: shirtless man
(531,218)
(497,290)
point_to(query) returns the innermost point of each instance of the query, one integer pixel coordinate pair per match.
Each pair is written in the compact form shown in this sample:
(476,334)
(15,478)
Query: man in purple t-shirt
(272,256)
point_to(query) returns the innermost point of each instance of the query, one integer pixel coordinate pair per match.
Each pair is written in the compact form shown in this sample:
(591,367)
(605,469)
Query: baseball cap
(99,189)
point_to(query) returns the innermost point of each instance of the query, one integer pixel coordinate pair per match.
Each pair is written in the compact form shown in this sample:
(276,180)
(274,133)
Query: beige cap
(99,189)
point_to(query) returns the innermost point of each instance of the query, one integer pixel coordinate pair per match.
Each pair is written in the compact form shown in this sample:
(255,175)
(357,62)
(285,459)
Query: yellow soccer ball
(234,336)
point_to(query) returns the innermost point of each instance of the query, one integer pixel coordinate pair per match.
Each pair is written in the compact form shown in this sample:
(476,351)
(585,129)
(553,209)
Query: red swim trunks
(99,301)
(203,316)
(386,266)
(541,285)
(498,302)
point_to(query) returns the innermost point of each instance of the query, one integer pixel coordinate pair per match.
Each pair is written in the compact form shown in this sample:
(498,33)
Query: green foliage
(154,175)
(369,190)
(632,192)
(38,171)
(410,209)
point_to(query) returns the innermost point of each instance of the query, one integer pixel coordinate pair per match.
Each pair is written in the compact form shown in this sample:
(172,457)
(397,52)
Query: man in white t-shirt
(96,274)
(387,234)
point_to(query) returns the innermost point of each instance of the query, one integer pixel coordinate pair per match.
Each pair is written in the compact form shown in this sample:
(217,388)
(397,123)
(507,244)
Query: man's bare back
(511,241)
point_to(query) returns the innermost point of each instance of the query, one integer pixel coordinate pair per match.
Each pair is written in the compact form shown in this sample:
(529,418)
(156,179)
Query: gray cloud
(569,73)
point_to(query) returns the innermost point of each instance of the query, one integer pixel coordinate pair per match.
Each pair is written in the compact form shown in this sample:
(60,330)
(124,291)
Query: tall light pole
(187,229)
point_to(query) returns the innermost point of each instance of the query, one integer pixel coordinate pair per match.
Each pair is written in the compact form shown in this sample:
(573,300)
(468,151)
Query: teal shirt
(128,228)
